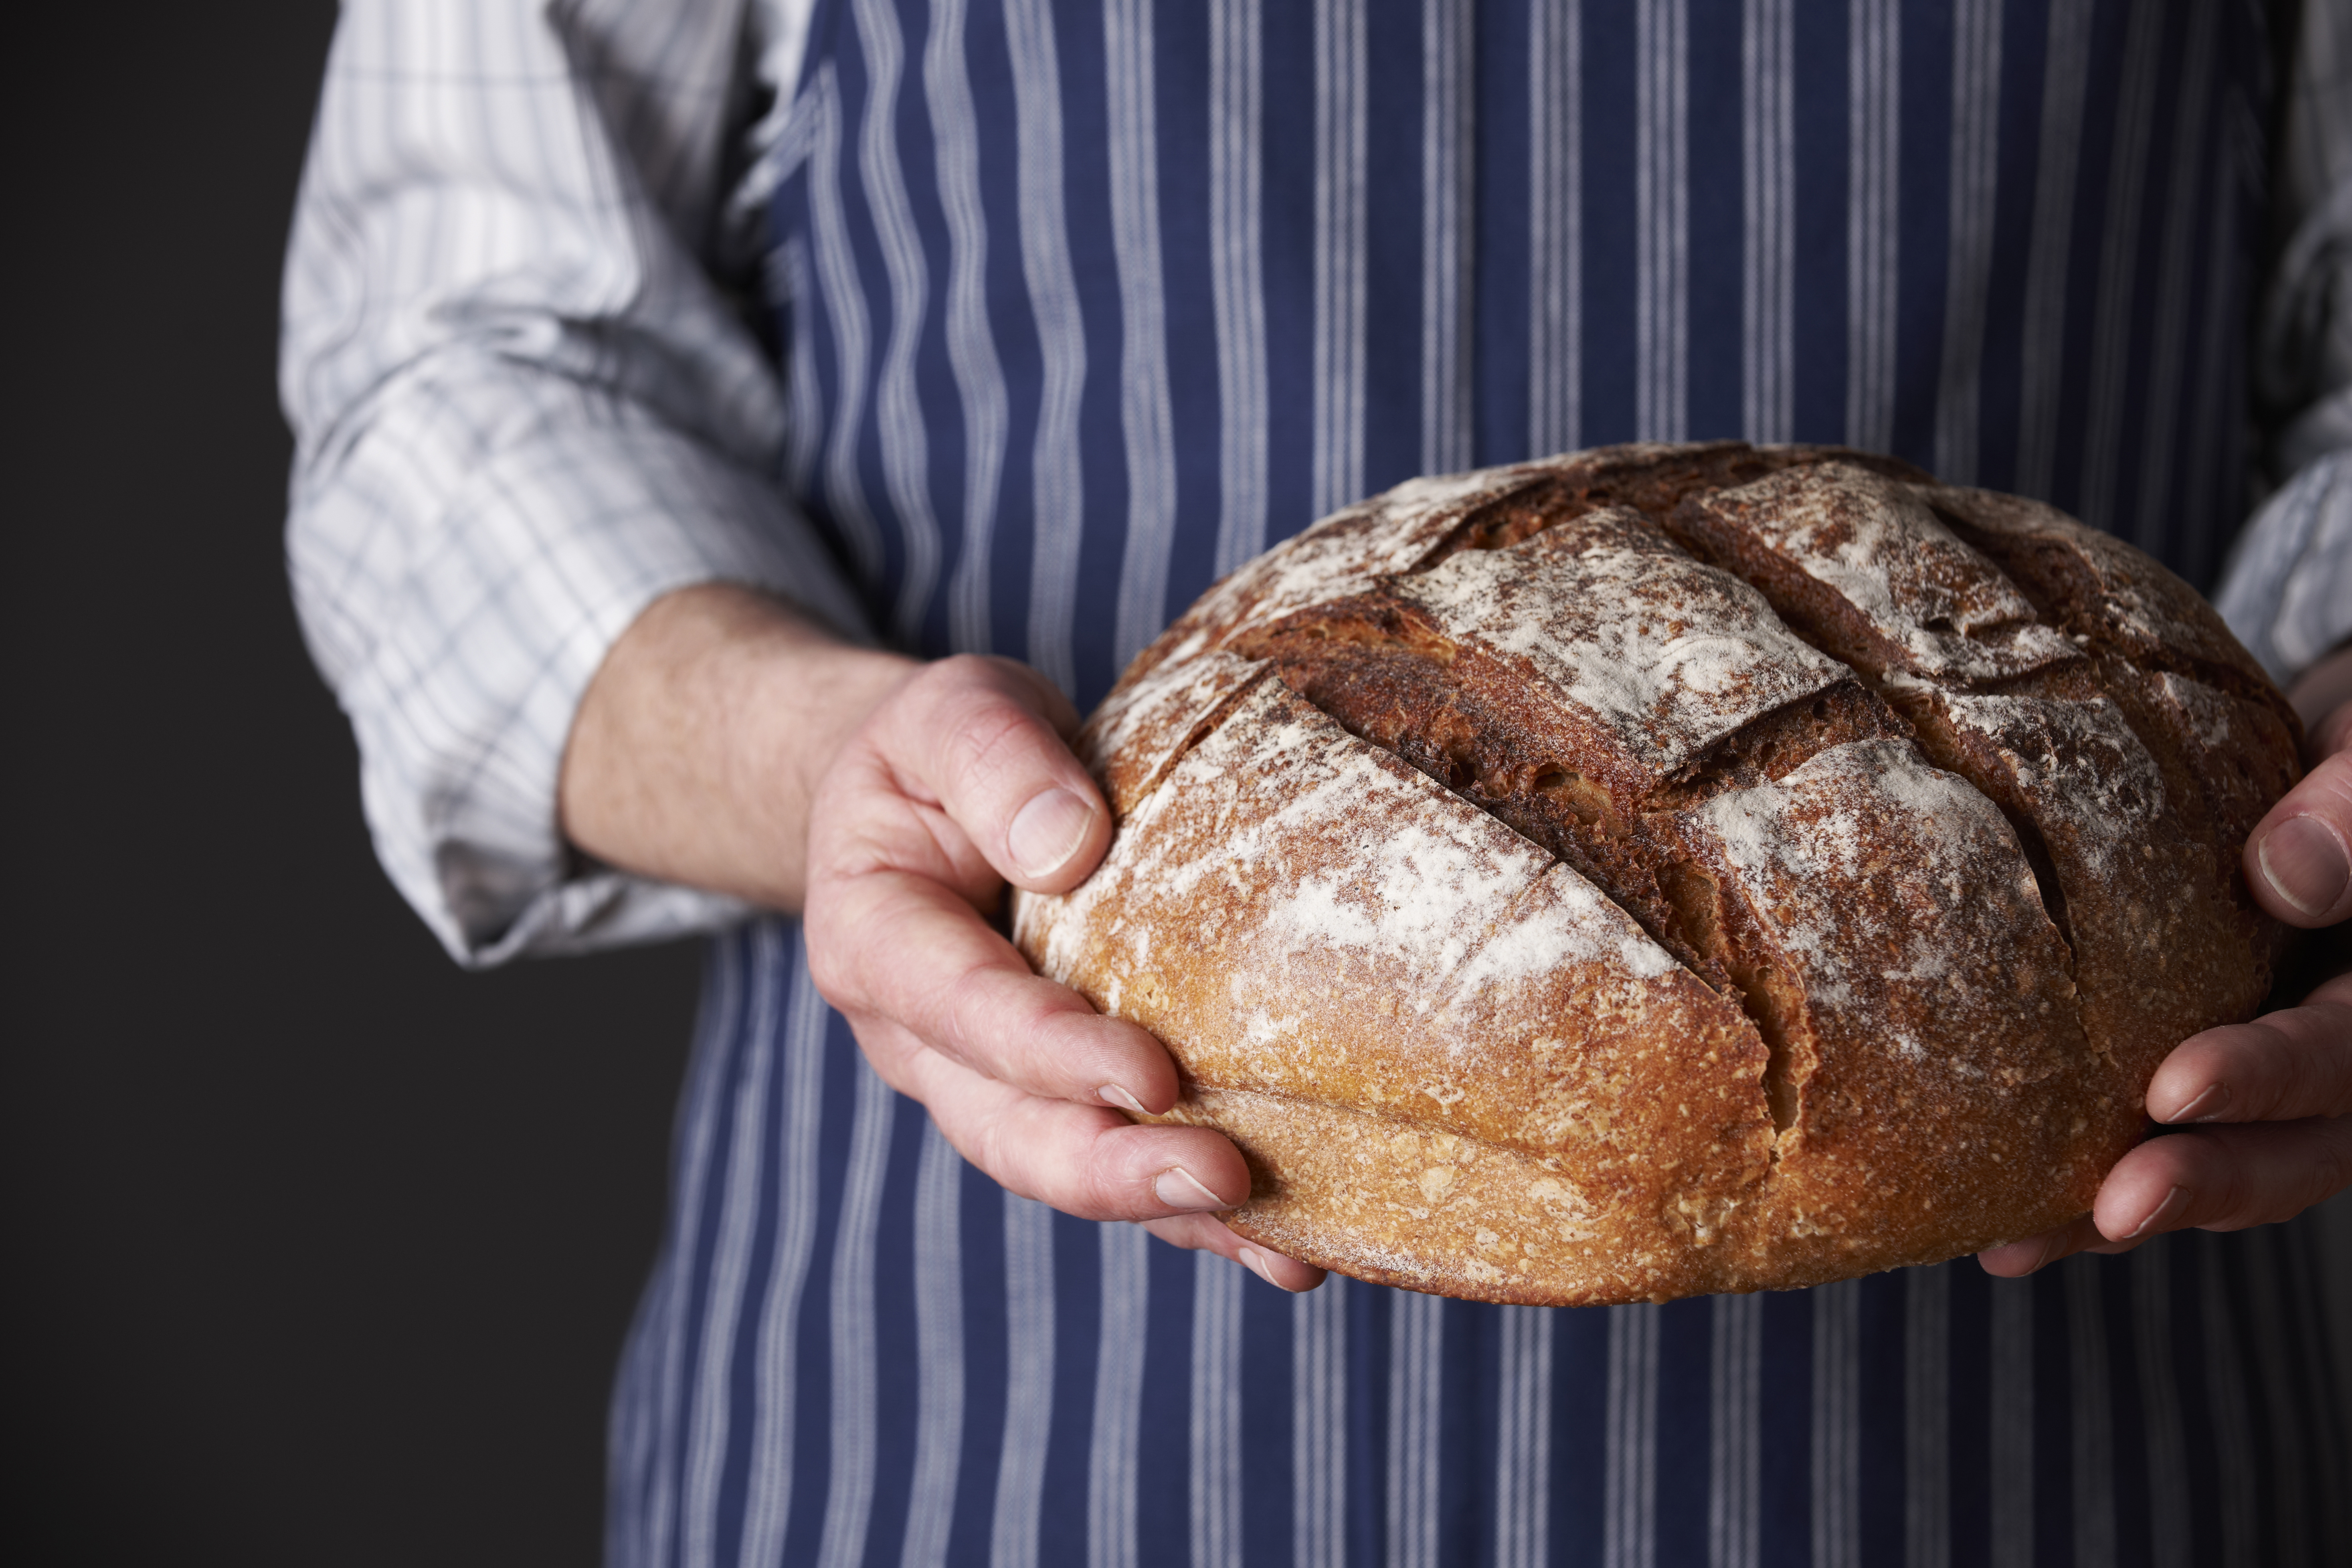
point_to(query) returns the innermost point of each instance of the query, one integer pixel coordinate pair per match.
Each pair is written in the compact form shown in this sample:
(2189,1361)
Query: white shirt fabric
(524,411)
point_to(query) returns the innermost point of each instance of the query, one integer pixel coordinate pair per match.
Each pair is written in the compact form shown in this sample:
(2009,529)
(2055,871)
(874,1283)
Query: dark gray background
(320,1250)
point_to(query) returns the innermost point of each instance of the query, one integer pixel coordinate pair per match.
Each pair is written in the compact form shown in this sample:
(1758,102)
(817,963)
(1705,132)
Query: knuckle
(988,1149)
(843,967)
(1018,1160)
(957,1017)
(1112,1189)
(2223,1201)
(830,971)
(889,1063)
(2331,1171)
(1112,1177)
(2326,791)
(2303,1081)
(992,718)
(974,1017)
(989,740)
(2310,1063)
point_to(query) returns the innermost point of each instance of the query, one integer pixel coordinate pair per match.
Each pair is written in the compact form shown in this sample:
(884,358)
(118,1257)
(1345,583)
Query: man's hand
(728,744)
(2267,1105)
(959,781)
(698,749)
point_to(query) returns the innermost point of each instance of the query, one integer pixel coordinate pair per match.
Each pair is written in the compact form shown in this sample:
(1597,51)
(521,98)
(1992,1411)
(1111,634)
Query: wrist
(793,702)
(699,746)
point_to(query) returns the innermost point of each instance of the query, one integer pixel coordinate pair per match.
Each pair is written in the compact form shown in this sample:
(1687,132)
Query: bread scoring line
(1492,738)
(1396,587)
(1704,750)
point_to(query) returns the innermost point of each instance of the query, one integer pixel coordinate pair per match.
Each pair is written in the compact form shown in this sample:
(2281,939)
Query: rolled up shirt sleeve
(524,410)
(2288,590)
(2288,593)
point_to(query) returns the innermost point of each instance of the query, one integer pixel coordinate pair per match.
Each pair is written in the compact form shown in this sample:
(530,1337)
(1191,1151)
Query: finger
(2299,858)
(2333,732)
(2282,1067)
(2225,1178)
(1206,1233)
(986,740)
(2323,696)
(2016,1259)
(895,1053)
(1090,1162)
(973,999)
(863,822)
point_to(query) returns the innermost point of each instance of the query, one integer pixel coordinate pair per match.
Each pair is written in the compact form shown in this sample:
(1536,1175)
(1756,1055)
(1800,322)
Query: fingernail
(2206,1107)
(1111,1094)
(1180,1189)
(1047,831)
(2170,1209)
(2303,862)
(1255,1261)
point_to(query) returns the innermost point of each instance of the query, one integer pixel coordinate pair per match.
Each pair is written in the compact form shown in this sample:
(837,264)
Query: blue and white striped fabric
(859,1350)
(1088,304)
(524,412)
(2289,591)
(1083,306)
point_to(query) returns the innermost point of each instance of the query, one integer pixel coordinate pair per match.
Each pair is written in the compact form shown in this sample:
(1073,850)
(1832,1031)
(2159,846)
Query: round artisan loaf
(1669,869)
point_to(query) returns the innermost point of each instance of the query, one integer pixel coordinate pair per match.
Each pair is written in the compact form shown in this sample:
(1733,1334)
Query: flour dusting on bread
(1659,870)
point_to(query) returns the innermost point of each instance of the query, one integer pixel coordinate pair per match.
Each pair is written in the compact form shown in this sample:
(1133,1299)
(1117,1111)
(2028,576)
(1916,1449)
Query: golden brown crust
(1663,870)
(1312,918)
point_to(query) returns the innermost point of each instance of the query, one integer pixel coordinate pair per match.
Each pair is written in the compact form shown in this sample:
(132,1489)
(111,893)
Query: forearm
(523,416)
(697,751)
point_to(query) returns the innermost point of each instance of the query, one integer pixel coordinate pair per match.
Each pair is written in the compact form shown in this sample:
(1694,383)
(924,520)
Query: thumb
(985,740)
(2299,856)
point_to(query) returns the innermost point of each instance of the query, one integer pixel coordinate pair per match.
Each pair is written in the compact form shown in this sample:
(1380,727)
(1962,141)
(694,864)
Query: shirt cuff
(2288,594)
(461,650)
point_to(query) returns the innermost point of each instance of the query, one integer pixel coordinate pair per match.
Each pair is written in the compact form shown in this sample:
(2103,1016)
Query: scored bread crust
(1659,870)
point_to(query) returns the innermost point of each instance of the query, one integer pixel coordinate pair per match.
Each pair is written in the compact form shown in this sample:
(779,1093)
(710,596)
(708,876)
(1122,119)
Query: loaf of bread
(1661,870)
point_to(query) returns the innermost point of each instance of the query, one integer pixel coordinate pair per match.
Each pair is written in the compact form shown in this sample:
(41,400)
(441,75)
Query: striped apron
(1082,305)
